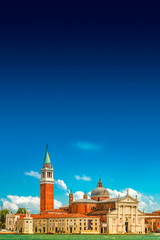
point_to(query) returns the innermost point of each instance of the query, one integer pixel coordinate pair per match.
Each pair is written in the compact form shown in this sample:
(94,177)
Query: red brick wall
(100,199)
(154,224)
(82,207)
(46,197)
(101,206)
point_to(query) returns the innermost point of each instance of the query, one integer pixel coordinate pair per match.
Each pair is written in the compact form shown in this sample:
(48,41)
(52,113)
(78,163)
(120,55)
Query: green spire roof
(47,158)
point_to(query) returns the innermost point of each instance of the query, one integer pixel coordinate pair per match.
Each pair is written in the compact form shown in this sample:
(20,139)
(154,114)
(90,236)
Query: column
(123,222)
(136,221)
(131,219)
(118,220)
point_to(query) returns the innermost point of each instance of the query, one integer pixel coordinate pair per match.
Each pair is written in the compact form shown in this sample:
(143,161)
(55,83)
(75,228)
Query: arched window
(93,208)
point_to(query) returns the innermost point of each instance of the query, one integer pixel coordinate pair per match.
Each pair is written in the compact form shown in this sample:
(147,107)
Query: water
(79,237)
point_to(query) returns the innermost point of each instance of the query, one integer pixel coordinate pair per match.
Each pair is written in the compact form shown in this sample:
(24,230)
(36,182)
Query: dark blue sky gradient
(80,73)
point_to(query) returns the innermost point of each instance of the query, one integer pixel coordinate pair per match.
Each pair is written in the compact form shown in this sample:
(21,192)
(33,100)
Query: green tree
(3,215)
(21,211)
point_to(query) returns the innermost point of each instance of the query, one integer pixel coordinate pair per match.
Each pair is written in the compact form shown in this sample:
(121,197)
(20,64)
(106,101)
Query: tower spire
(46,158)
(85,196)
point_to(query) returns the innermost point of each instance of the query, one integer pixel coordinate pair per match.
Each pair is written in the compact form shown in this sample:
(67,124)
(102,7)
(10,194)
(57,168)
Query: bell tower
(85,196)
(71,198)
(46,185)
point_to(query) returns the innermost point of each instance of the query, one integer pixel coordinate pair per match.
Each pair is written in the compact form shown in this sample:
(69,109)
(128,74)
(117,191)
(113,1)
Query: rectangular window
(49,174)
(90,224)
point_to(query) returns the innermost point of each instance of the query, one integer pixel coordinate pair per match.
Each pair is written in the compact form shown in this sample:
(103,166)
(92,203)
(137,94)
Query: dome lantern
(99,193)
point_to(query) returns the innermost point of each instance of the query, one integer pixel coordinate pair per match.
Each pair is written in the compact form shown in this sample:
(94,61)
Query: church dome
(100,191)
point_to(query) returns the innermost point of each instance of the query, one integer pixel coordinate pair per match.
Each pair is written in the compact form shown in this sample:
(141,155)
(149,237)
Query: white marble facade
(126,218)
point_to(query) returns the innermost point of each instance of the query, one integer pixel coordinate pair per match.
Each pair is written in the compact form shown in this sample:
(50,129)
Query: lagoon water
(79,237)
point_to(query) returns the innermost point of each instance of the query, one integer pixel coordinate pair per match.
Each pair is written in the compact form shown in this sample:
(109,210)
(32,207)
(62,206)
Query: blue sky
(84,80)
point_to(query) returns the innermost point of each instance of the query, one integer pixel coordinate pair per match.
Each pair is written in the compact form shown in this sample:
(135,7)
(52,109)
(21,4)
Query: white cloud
(14,202)
(33,174)
(87,146)
(78,195)
(61,184)
(89,193)
(145,202)
(84,178)
(57,204)
(30,203)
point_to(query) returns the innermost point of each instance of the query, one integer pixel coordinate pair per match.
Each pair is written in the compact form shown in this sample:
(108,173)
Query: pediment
(128,199)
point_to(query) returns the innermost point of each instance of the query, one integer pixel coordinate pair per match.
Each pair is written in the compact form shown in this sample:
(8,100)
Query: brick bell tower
(46,185)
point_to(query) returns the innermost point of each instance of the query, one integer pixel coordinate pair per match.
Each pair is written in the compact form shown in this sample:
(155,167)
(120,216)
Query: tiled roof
(20,214)
(53,211)
(98,212)
(158,211)
(62,215)
(153,214)
(64,206)
(85,201)
(109,200)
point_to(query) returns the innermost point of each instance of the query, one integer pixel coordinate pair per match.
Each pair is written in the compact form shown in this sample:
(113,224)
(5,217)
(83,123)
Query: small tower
(85,196)
(100,183)
(46,185)
(71,197)
(28,223)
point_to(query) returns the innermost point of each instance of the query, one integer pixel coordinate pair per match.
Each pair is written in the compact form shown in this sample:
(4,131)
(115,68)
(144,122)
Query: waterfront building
(152,222)
(58,223)
(11,219)
(97,214)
